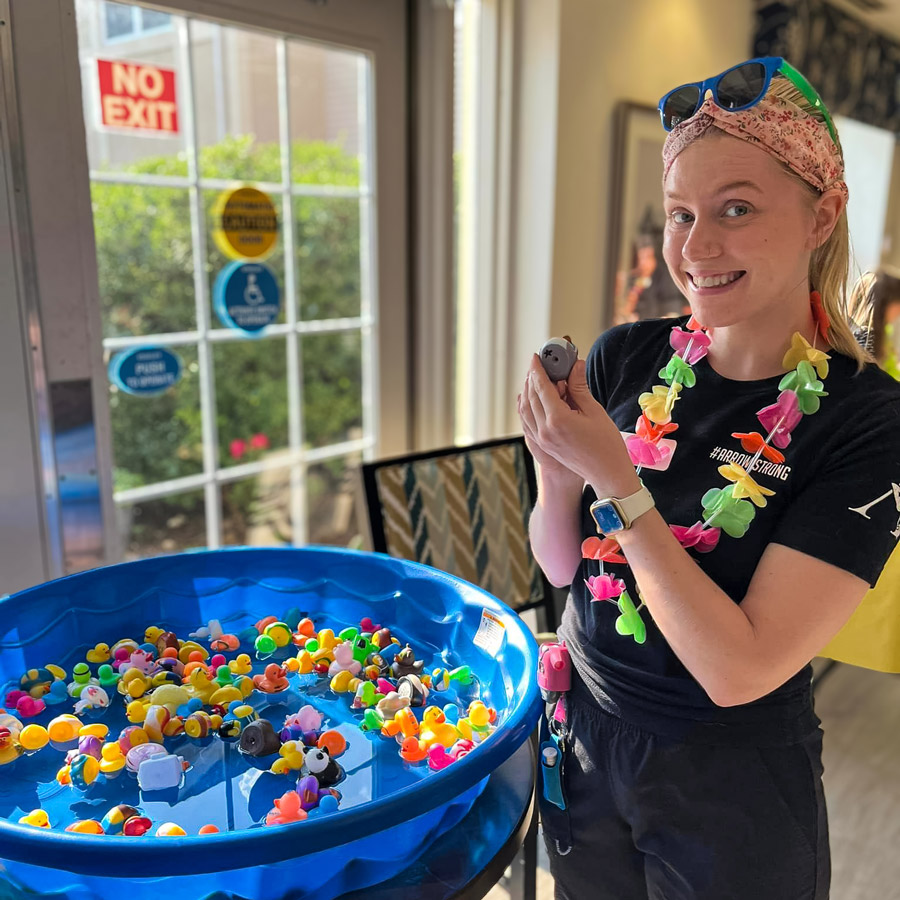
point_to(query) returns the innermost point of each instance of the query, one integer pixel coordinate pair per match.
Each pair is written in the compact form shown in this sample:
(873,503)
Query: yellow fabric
(871,638)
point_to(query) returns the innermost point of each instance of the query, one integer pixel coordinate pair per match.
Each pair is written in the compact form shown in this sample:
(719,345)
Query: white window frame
(56,184)
(206,335)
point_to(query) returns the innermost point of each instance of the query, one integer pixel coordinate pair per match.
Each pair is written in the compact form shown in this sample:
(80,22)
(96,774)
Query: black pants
(652,818)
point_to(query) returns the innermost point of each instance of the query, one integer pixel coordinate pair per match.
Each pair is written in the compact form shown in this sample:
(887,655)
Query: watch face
(606,517)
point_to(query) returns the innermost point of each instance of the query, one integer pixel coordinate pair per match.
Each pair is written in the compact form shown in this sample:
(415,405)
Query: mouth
(717,282)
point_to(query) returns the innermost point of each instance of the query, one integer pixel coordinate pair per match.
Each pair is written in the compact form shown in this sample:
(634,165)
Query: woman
(691,754)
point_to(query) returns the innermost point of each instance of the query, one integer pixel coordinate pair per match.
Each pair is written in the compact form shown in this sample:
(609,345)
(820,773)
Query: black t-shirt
(836,498)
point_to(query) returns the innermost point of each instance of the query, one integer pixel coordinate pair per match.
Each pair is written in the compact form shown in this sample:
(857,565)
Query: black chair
(465,510)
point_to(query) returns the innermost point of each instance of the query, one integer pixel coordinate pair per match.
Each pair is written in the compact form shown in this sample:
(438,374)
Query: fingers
(533,401)
(544,389)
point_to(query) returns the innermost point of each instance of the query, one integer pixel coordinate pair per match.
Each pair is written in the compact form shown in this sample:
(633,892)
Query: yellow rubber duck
(344,682)
(152,634)
(112,759)
(199,685)
(242,665)
(327,639)
(305,661)
(187,648)
(134,683)
(439,733)
(171,696)
(225,696)
(100,654)
(136,711)
(292,758)
(37,817)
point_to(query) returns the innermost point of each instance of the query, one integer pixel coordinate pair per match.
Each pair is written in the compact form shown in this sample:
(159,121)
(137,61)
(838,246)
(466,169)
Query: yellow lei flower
(801,350)
(657,404)
(744,485)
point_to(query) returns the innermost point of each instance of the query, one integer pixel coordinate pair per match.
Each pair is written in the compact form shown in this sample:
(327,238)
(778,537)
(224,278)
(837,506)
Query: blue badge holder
(551,771)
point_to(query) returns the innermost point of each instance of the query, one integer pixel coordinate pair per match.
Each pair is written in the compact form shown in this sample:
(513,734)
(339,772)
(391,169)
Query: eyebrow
(727,189)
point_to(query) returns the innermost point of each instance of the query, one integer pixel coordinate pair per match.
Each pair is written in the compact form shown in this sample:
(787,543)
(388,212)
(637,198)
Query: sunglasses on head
(737,88)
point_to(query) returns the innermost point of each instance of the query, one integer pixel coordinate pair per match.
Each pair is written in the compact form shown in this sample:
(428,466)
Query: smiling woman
(691,753)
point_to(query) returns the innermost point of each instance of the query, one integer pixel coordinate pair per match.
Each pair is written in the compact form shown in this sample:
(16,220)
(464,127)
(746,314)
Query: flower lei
(734,506)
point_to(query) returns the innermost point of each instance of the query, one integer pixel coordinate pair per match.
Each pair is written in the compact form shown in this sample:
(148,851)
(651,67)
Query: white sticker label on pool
(490,634)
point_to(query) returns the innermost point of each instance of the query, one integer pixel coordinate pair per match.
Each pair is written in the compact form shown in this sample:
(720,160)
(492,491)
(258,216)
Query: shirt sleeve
(600,361)
(849,514)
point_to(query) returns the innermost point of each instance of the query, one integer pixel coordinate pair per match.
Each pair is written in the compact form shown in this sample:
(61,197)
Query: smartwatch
(613,514)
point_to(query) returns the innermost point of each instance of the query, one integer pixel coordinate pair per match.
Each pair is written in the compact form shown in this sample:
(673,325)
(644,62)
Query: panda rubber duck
(318,762)
(411,687)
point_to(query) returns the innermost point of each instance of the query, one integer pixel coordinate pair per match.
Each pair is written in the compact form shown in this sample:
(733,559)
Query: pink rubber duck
(288,808)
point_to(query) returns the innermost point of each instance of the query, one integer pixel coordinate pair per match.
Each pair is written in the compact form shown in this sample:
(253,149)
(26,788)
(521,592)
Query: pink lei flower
(784,416)
(699,342)
(604,587)
(701,539)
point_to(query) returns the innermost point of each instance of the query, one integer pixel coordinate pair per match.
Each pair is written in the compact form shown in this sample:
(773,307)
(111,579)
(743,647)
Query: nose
(702,243)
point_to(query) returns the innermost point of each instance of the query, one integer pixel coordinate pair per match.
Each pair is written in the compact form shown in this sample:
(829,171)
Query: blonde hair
(829,264)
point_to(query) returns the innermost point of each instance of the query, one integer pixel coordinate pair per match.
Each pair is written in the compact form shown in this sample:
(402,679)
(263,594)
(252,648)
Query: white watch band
(636,505)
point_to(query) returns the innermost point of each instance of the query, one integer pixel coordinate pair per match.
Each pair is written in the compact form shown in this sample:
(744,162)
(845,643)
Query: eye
(736,210)
(680,217)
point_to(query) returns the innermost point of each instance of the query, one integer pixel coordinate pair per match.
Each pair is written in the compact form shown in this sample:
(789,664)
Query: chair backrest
(464,510)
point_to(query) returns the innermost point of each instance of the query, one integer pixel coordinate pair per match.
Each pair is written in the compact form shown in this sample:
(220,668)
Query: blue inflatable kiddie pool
(389,809)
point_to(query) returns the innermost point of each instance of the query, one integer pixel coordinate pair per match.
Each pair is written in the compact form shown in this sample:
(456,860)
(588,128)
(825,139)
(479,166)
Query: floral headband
(775,125)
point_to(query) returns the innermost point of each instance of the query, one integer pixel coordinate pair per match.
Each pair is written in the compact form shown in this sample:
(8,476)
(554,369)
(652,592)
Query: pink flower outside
(237,448)
(259,441)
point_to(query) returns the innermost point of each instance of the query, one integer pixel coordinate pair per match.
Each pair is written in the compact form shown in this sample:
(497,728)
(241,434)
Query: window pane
(332,388)
(328,270)
(144,259)
(331,489)
(139,130)
(236,103)
(167,525)
(251,399)
(119,20)
(256,511)
(217,260)
(157,438)
(323,92)
(151,18)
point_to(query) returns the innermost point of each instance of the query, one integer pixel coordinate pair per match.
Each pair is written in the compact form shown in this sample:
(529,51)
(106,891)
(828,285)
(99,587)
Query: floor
(860,712)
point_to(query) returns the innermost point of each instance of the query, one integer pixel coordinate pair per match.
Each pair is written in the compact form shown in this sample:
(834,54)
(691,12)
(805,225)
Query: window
(258,441)
(125,22)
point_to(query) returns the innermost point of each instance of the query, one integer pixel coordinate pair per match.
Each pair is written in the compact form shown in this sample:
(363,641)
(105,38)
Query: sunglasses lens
(680,105)
(741,86)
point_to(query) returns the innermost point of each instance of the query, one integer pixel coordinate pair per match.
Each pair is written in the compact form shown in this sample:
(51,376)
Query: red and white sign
(137,96)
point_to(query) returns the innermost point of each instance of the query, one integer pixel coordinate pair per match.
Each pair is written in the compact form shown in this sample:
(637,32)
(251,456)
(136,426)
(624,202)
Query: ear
(826,211)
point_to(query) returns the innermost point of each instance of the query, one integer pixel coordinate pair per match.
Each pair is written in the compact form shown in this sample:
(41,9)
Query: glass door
(233,178)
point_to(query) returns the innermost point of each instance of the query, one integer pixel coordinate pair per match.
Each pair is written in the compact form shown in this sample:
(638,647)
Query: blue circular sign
(246,296)
(145,370)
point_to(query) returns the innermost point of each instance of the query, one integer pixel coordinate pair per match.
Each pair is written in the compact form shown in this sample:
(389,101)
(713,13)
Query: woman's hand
(550,465)
(566,424)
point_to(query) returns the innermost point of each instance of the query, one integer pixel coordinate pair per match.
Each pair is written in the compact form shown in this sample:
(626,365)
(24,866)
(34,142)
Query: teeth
(715,280)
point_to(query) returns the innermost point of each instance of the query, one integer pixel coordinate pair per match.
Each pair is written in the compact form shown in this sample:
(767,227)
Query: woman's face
(738,230)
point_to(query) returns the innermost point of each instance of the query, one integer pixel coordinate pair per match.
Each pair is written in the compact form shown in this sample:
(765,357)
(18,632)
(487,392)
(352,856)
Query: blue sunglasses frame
(773,65)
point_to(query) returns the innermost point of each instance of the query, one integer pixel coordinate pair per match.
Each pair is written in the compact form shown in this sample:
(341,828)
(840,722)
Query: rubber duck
(344,682)
(152,633)
(304,632)
(272,681)
(99,654)
(136,710)
(189,647)
(304,658)
(92,697)
(212,630)
(242,665)
(406,663)
(318,762)
(368,626)
(108,678)
(227,695)
(170,829)
(200,685)
(413,750)
(344,660)
(64,728)
(199,724)
(279,632)
(366,696)
(461,748)
(288,808)
(58,693)
(29,706)
(332,741)
(216,662)
(33,737)
(411,686)
(480,716)
(85,826)
(134,683)
(37,818)
(195,704)
(327,639)
(382,638)
(391,703)
(307,719)
(225,643)
(292,757)
(438,758)
(81,678)
(139,659)
(373,720)
(224,676)
(112,759)
(439,733)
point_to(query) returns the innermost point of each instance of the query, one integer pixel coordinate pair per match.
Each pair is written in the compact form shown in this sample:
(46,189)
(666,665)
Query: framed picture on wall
(639,284)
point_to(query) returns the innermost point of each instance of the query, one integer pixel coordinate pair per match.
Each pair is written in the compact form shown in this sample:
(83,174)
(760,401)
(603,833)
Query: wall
(610,51)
